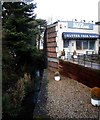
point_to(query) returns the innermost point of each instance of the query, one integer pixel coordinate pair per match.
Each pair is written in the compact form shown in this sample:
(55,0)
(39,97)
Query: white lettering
(80,25)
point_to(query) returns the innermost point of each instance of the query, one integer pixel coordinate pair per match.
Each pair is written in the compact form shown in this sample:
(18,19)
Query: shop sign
(80,25)
(79,35)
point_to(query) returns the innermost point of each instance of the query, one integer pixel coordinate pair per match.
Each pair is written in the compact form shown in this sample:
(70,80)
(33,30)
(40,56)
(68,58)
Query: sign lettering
(80,25)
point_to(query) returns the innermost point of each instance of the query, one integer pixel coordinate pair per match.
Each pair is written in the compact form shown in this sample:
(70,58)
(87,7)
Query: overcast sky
(53,10)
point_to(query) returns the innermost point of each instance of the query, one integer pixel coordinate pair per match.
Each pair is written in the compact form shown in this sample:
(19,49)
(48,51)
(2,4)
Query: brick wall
(52,55)
(53,66)
(51,47)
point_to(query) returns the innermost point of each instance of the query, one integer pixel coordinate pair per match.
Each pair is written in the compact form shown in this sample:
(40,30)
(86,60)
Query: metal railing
(88,60)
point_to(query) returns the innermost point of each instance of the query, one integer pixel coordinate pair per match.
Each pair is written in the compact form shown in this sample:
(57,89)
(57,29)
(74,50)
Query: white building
(99,22)
(75,36)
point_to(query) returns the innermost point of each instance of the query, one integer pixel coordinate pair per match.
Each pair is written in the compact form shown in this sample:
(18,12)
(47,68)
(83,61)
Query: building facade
(71,36)
(98,23)
(99,14)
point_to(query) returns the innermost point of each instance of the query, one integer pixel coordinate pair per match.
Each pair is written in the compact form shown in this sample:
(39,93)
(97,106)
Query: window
(66,43)
(85,44)
(91,45)
(79,45)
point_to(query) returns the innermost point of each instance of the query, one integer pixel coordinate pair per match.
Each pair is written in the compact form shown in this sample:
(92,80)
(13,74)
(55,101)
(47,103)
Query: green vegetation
(57,73)
(21,32)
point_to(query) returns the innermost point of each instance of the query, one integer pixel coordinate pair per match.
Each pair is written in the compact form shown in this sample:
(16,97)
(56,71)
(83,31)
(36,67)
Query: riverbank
(64,99)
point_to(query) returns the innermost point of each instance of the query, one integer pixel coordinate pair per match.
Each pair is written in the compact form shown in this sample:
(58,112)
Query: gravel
(64,99)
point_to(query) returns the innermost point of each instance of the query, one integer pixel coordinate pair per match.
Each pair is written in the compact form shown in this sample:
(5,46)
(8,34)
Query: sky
(53,10)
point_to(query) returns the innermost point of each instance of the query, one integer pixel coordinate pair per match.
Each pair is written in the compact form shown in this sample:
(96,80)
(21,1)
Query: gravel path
(64,99)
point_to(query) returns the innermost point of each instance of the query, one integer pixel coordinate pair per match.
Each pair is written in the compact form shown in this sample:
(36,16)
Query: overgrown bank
(21,59)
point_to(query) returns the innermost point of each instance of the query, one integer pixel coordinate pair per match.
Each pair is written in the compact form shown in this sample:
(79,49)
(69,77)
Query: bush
(12,100)
(95,93)
(57,73)
(28,87)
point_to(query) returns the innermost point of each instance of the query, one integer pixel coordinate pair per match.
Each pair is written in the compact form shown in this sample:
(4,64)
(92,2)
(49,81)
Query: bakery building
(71,36)
(98,23)
(81,37)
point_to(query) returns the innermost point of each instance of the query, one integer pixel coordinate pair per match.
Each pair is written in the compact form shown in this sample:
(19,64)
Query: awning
(97,23)
(74,35)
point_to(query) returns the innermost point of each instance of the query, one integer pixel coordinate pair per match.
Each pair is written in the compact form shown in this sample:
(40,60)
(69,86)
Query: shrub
(12,100)
(57,73)
(28,87)
(28,84)
(95,93)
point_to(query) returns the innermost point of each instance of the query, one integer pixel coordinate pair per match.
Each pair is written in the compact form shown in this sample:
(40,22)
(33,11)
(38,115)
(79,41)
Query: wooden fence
(88,76)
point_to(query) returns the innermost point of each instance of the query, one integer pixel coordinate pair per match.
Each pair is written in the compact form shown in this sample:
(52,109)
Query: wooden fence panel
(87,76)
